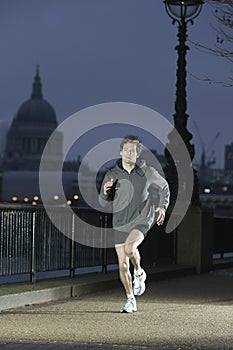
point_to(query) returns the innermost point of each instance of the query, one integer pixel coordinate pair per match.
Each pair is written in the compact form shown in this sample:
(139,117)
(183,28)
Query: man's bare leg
(129,251)
(125,275)
(134,239)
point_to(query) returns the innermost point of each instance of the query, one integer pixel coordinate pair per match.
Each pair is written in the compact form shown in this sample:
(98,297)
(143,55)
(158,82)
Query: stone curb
(46,291)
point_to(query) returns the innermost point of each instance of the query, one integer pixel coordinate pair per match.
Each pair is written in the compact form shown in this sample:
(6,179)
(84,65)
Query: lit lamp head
(183,9)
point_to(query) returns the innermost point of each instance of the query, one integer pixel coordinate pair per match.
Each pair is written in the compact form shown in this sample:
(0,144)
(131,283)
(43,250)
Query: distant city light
(36,198)
(56,197)
(76,196)
(14,198)
(34,203)
(26,199)
(207,190)
(224,188)
(69,202)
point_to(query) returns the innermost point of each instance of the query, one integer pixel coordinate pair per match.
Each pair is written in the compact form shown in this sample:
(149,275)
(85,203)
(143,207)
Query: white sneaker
(139,286)
(130,306)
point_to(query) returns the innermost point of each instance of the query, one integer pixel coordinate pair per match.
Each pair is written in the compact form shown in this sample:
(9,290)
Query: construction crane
(207,156)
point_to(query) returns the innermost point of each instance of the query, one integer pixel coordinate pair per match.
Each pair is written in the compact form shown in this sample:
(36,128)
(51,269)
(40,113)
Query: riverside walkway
(178,311)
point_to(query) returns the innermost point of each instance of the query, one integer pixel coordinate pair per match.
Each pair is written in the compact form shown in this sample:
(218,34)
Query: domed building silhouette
(29,132)
(26,138)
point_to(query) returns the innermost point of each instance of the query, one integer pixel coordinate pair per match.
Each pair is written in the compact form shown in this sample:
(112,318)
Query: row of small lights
(208,190)
(36,198)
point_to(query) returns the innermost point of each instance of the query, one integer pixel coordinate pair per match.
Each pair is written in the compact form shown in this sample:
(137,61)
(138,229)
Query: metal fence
(31,245)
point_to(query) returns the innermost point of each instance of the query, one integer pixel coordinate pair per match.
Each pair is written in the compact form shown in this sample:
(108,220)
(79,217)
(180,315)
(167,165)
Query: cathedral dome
(36,110)
(30,131)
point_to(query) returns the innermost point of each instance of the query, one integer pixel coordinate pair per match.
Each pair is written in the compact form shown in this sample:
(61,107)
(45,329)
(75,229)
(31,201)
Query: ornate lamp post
(181,13)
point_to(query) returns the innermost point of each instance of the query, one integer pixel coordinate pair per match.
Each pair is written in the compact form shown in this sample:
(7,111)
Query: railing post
(175,234)
(104,249)
(33,248)
(72,249)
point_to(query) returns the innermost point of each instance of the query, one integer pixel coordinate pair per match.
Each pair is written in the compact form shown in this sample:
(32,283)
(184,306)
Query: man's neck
(128,166)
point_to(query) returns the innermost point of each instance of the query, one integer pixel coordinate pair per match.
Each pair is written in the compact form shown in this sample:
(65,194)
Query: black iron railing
(30,244)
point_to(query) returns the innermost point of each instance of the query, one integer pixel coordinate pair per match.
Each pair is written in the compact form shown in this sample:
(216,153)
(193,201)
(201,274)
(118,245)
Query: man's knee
(129,251)
(123,266)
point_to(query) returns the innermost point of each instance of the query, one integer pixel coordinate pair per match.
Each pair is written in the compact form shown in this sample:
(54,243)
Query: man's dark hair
(132,139)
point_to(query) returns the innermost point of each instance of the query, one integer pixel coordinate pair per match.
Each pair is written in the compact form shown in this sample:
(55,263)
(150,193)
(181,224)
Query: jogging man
(125,187)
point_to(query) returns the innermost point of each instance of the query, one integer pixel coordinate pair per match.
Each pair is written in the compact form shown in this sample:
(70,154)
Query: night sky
(95,51)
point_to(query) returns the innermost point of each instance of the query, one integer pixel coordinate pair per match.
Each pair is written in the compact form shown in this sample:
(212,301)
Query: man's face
(129,153)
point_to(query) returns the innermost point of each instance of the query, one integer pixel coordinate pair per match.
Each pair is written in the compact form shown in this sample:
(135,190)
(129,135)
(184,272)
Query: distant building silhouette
(26,138)
(29,132)
(229,157)
(3,130)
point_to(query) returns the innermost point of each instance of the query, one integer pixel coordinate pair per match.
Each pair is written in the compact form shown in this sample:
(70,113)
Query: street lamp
(181,13)
(183,10)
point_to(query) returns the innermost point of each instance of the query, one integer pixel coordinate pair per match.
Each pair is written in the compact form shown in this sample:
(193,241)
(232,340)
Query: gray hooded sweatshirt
(131,202)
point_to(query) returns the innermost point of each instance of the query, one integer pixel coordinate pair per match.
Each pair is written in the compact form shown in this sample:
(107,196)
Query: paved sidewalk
(192,312)
(20,294)
(77,346)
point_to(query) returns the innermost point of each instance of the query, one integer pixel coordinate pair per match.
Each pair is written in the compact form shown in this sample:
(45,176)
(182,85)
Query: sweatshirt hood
(140,167)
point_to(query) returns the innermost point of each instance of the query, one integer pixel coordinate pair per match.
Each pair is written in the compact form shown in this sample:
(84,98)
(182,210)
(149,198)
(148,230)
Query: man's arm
(164,194)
